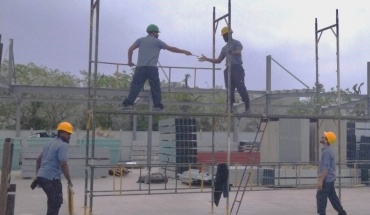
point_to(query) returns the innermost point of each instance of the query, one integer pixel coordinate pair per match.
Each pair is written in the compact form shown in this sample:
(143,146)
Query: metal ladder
(248,169)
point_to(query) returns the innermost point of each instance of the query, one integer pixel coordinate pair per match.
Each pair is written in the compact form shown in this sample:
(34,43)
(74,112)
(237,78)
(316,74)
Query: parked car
(44,134)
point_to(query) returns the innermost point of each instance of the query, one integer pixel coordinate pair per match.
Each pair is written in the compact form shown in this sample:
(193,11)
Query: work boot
(158,108)
(126,105)
(247,108)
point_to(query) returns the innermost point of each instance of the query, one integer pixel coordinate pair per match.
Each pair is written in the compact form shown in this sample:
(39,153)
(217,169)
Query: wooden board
(70,201)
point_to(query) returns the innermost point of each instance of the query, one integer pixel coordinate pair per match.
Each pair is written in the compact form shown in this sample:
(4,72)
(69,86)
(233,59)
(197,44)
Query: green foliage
(33,75)
(119,80)
(7,117)
(39,115)
(327,104)
(49,110)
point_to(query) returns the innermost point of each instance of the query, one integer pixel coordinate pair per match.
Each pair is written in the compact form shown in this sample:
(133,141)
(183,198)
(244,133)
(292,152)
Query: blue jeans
(328,191)
(143,73)
(54,193)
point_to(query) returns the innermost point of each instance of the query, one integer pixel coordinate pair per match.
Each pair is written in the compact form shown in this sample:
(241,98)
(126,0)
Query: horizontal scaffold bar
(223,114)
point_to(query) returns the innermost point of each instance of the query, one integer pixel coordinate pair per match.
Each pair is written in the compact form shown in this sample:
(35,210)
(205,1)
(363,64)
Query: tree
(40,115)
(119,80)
(47,114)
(185,82)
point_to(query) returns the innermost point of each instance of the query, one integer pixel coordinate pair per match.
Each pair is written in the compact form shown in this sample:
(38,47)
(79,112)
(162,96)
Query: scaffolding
(93,68)
(93,92)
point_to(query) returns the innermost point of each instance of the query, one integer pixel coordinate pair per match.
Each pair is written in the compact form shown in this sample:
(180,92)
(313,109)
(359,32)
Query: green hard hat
(152,28)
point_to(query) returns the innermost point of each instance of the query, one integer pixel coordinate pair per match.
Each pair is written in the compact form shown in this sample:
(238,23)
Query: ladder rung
(260,132)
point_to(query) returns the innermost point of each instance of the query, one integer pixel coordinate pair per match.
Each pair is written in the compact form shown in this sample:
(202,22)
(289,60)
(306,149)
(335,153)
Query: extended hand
(71,189)
(187,53)
(202,58)
(131,64)
(319,184)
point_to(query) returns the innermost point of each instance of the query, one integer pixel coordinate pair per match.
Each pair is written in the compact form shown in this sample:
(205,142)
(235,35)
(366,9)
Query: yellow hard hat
(65,126)
(225,30)
(330,136)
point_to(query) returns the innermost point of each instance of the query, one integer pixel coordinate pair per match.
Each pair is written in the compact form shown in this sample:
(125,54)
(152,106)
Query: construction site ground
(276,202)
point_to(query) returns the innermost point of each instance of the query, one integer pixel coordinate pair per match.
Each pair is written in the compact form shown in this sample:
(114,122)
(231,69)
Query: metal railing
(265,176)
(169,73)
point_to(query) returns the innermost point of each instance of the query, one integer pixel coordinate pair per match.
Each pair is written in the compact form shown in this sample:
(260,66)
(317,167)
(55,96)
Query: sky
(55,34)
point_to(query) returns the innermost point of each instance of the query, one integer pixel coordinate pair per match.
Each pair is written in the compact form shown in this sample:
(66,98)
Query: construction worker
(326,177)
(237,71)
(50,164)
(146,68)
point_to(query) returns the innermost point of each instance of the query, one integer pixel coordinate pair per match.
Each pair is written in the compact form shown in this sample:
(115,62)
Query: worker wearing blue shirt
(326,177)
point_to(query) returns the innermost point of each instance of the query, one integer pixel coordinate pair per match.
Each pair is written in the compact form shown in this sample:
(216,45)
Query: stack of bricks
(178,145)
(352,152)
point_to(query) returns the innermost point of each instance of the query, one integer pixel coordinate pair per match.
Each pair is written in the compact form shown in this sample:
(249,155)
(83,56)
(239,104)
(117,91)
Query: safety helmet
(152,28)
(225,30)
(65,126)
(330,136)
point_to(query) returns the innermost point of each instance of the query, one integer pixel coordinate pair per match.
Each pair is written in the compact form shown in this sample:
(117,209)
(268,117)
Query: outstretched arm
(177,50)
(212,60)
(129,54)
(65,171)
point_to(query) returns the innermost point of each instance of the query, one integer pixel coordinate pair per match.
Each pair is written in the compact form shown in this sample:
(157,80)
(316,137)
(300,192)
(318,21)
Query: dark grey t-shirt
(149,48)
(235,45)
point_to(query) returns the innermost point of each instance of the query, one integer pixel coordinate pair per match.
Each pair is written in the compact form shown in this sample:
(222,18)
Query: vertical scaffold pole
(230,104)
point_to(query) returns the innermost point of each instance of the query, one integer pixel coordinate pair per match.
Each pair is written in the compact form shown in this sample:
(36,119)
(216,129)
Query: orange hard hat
(65,126)
(330,136)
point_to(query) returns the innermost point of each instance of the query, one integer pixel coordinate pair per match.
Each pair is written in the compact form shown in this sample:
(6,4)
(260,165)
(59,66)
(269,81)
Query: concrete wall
(291,140)
(275,139)
(126,138)
(270,143)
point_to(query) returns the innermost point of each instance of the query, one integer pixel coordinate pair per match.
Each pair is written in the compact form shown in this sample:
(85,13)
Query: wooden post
(5,176)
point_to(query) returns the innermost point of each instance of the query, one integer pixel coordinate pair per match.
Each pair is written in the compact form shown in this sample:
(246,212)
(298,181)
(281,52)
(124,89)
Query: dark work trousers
(54,193)
(237,81)
(328,191)
(143,73)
